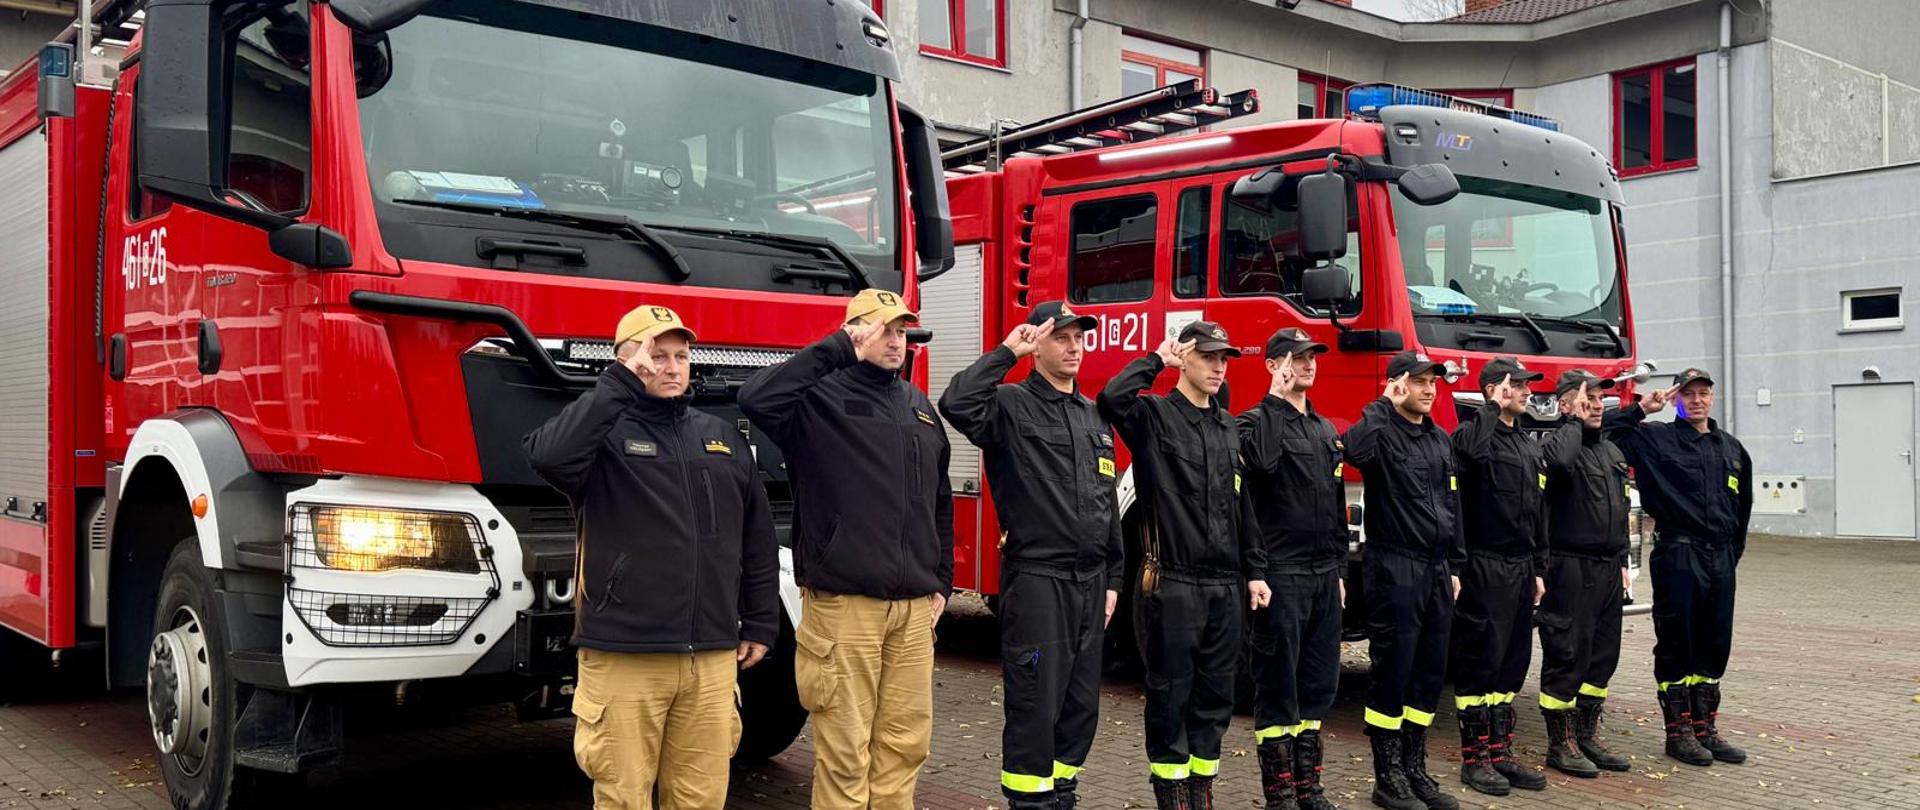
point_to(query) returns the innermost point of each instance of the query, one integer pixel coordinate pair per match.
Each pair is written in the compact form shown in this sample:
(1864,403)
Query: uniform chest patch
(1339,469)
(1733,483)
(923,416)
(640,448)
(1106,467)
(1543,480)
(1453,484)
(720,447)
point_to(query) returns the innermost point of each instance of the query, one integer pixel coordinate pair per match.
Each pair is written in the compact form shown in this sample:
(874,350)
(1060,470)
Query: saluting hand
(1657,401)
(1025,339)
(1398,391)
(1174,353)
(1283,377)
(1508,393)
(640,362)
(866,343)
(1258,594)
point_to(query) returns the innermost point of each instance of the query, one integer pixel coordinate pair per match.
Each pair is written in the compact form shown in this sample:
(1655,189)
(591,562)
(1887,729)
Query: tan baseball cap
(647,321)
(879,305)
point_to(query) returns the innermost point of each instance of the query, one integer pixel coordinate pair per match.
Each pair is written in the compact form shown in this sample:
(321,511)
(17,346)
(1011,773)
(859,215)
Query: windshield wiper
(613,224)
(1541,344)
(856,272)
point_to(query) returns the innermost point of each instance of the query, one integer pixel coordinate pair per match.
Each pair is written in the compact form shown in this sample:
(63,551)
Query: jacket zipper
(686,479)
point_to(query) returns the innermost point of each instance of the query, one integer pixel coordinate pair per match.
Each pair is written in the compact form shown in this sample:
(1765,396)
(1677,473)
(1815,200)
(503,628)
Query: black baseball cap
(1061,316)
(1691,376)
(1207,336)
(1411,362)
(1572,380)
(1291,340)
(1498,368)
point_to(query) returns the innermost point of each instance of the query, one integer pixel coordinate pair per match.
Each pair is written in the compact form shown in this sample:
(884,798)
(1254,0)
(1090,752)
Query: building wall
(22,35)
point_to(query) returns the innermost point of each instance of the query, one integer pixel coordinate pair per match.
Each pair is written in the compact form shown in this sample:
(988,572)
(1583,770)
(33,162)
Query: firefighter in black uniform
(1696,481)
(1414,554)
(1200,544)
(1502,474)
(1050,465)
(1586,578)
(673,600)
(1294,477)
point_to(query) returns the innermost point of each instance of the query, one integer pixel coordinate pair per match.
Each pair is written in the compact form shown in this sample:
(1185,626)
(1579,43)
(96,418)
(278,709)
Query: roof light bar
(1365,101)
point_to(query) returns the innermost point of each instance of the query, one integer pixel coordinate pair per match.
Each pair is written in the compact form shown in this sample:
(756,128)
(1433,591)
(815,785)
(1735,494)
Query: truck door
(1253,289)
(1115,270)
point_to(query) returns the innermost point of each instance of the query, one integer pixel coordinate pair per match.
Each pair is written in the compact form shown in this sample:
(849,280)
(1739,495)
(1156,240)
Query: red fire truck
(1418,221)
(287,284)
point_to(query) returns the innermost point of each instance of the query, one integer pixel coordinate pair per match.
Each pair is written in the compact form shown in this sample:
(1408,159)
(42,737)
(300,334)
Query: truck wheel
(191,698)
(770,712)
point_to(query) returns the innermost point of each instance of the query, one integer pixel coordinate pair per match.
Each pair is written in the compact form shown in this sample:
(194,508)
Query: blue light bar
(1364,101)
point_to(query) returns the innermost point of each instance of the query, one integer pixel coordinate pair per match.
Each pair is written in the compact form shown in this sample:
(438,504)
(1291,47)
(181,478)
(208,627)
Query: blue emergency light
(1364,101)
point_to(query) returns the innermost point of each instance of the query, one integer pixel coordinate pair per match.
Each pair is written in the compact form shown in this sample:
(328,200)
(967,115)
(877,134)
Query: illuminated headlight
(589,351)
(359,538)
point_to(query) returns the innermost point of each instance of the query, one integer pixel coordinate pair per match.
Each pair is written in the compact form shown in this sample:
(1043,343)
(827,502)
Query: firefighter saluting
(1696,481)
(658,659)
(1050,463)
(1201,545)
(1293,476)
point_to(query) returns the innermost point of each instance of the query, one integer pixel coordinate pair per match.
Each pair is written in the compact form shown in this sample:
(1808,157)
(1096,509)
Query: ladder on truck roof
(1154,114)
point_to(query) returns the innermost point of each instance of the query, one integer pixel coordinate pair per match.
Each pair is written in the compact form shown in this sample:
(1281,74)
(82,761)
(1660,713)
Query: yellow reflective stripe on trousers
(1700,679)
(1062,770)
(1464,702)
(1165,771)
(1022,783)
(1593,691)
(1261,735)
(1419,718)
(1204,767)
(1665,684)
(1310,725)
(1551,703)
(1378,720)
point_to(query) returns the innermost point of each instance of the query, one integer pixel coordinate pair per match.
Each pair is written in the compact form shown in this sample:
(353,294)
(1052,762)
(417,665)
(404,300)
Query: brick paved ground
(1824,692)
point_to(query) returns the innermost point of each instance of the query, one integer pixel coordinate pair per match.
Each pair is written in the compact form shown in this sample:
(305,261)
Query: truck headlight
(360,538)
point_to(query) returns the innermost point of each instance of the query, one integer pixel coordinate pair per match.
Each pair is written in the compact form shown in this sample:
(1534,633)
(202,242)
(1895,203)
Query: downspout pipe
(1076,93)
(1724,102)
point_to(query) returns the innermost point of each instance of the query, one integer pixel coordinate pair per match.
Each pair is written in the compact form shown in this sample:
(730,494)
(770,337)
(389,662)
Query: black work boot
(1676,710)
(1064,795)
(1705,698)
(1586,733)
(1475,771)
(1200,792)
(1563,750)
(1390,788)
(1170,794)
(1500,752)
(1307,756)
(1413,757)
(1276,774)
(1017,800)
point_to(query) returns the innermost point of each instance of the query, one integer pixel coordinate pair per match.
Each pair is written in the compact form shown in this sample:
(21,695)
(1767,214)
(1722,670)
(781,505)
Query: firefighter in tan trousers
(873,548)
(654,706)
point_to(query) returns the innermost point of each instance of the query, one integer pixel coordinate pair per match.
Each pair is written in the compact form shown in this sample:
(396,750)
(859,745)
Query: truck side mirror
(376,16)
(1257,190)
(1429,184)
(1323,216)
(183,113)
(927,193)
(1326,286)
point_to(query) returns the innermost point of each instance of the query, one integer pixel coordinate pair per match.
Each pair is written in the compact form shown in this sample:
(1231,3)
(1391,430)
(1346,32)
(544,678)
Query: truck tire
(770,712)
(192,700)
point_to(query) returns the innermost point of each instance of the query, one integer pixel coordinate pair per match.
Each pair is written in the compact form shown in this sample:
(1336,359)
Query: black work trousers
(1579,624)
(1193,653)
(1493,627)
(1409,614)
(1296,650)
(1051,630)
(1692,607)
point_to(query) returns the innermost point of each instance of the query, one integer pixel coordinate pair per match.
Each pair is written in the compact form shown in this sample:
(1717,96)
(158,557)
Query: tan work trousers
(864,668)
(665,721)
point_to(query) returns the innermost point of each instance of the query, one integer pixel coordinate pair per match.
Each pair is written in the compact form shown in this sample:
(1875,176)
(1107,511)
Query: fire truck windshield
(488,107)
(1505,249)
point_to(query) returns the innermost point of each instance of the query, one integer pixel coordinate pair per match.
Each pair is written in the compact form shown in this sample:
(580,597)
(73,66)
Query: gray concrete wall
(1835,114)
(22,35)
(1879,36)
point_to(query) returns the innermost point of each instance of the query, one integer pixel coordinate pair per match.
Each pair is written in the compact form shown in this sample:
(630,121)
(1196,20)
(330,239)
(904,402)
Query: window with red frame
(1321,96)
(1498,98)
(1148,63)
(1655,118)
(969,30)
